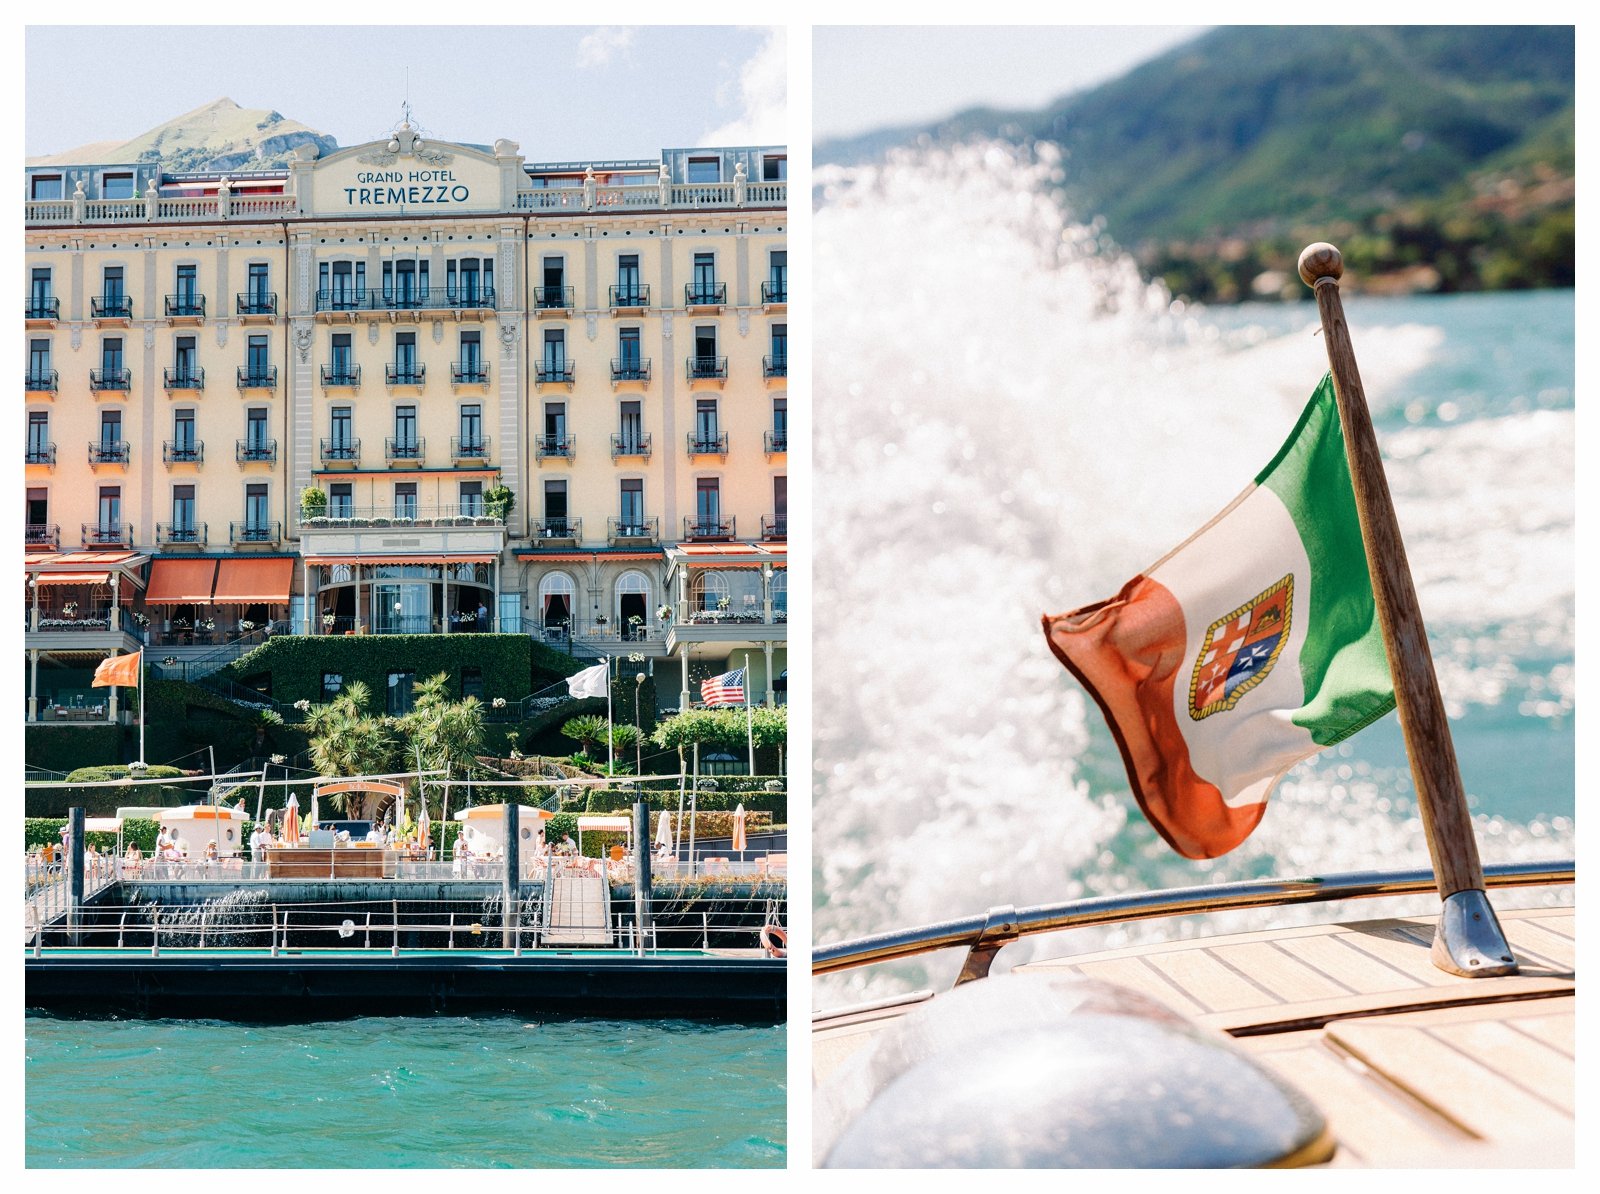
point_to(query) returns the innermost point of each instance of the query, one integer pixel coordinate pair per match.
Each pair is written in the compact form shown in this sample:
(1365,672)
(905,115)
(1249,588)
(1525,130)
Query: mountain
(1444,155)
(218,136)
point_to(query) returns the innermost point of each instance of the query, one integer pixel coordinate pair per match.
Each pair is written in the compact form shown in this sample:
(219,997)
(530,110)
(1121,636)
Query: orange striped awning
(72,578)
(243,582)
(180,582)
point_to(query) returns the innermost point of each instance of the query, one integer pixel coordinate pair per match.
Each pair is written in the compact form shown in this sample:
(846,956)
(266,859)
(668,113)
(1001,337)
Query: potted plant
(313,503)
(499,501)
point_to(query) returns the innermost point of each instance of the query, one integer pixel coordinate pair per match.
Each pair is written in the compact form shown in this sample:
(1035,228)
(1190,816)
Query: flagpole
(749,727)
(141,706)
(1469,940)
(611,747)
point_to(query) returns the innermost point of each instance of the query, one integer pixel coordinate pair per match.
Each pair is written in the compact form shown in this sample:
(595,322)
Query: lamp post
(638,732)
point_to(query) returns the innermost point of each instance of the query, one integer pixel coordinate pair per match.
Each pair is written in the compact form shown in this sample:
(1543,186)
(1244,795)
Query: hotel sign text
(379,188)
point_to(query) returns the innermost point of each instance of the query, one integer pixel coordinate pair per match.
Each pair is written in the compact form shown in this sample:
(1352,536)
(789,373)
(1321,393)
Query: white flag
(591,682)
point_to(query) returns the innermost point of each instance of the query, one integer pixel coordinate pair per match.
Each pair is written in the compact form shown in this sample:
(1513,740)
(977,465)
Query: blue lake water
(404,1093)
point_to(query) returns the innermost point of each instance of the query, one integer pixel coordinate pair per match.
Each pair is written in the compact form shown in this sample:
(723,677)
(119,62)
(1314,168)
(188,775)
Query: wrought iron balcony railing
(775,292)
(186,306)
(255,303)
(402,298)
(184,533)
(47,381)
(699,368)
(183,451)
(553,372)
(259,377)
(469,373)
(630,368)
(630,444)
(255,532)
(634,528)
(41,454)
(43,306)
(341,376)
(339,516)
(110,306)
(191,377)
(775,442)
(708,445)
(775,527)
(705,294)
(111,534)
(470,448)
(342,298)
(554,445)
(405,374)
(775,366)
(559,528)
(553,298)
(405,448)
(695,527)
(108,451)
(257,451)
(343,450)
(42,534)
(630,297)
(110,379)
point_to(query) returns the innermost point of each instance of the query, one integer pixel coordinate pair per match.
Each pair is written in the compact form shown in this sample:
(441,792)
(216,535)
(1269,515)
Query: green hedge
(63,747)
(185,717)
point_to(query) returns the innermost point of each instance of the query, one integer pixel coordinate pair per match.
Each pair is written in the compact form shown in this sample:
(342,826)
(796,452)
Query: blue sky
(563,92)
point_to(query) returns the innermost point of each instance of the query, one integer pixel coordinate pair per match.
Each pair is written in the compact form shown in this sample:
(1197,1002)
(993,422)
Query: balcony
(777,366)
(342,298)
(552,300)
(260,377)
(404,374)
(776,527)
(474,448)
(775,443)
(394,300)
(625,531)
(561,446)
(469,373)
(183,452)
(111,308)
(44,454)
(255,532)
(256,307)
(630,369)
(405,449)
(467,298)
(647,196)
(341,451)
(383,517)
(705,295)
(558,530)
(42,310)
(708,445)
(706,369)
(630,445)
(255,451)
(629,299)
(184,378)
(775,294)
(112,381)
(341,377)
(548,373)
(181,535)
(108,452)
(110,534)
(47,381)
(185,308)
(706,530)
(42,534)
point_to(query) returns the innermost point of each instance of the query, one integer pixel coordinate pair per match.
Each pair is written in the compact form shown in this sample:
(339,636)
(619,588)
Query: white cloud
(604,44)
(763,98)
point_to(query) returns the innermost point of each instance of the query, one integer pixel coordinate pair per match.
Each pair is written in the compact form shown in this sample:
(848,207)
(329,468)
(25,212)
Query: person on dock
(260,839)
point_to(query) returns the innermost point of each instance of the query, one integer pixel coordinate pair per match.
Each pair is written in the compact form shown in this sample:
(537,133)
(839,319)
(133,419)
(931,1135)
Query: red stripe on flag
(1127,652)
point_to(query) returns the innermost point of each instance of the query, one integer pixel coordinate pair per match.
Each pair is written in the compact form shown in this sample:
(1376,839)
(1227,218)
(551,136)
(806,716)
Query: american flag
(726,689)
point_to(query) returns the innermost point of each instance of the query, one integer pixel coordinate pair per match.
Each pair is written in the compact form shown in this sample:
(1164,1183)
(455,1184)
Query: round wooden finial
(1320,260)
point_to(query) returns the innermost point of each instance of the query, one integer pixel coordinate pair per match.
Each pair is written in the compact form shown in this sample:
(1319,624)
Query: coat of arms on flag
(1240,649)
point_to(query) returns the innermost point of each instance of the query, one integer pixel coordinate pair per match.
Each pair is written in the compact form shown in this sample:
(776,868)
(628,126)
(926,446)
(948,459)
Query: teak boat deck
(1410,1065)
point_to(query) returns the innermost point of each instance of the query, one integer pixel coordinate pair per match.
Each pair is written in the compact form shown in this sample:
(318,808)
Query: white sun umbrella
(315,816)
(739,842)
(664,831)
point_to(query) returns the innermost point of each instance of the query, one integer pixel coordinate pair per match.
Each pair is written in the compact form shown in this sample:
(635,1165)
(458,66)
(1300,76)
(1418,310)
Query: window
(186,297)
(256,521)
(629,362)
(405,499)
(777,288)
(341,502)
(552,295)
(704,287)
(116,186)
(46,186)
(707,506)
(110,524)
(472,428)
(705,169)
(780,504)
(629,292)
(111,434)
(257,366)
(774,167)
(554,367)
(405,359)
(341,285)
(780,424)
(256,444)
(405,283)
(555,508)
(111,285)
(472,499)
(472,357)
(183,528)
(630,429)
(398,702)
(555,429)
(341,446)
(111,356)
(258,296)
(555,600)
(342,367)
(630,513)
(39,437)
(332,685)
(406,445)
(778,362)
(38,515)
(705,351)
(184,372)
(705,425)
(183,445)
(38,361)
(41,302)
(469,282)
(633,606)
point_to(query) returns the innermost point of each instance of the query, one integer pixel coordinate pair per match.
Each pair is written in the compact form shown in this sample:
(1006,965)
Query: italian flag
(1250,647)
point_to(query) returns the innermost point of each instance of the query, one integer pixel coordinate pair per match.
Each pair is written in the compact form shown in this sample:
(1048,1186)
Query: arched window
(633,605)
(708,591)
(780,592)
(555,598)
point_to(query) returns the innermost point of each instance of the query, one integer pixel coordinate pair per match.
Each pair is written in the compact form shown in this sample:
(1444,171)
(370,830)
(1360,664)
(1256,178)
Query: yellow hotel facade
(298,400)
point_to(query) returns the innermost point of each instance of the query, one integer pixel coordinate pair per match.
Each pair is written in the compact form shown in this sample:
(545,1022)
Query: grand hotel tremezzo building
(408,329)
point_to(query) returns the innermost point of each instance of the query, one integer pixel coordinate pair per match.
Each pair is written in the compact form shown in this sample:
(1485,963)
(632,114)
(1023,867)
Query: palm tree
(442,734)
(588,731)
(347,740)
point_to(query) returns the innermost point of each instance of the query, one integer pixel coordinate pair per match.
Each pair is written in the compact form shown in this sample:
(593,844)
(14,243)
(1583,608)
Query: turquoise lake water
(404,1093)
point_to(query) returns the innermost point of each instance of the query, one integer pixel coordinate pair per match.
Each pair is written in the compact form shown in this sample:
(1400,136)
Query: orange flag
(118,670)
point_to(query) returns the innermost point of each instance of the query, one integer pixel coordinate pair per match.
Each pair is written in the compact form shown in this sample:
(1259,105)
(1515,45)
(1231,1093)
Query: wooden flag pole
(1469,940)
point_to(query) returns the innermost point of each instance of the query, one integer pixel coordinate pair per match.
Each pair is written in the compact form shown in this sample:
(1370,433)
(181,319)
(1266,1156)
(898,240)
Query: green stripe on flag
(1343,662)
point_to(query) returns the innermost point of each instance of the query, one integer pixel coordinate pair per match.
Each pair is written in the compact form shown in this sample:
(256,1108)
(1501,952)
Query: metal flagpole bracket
(1000,928)
(1469,941)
